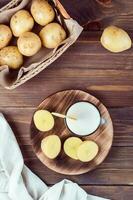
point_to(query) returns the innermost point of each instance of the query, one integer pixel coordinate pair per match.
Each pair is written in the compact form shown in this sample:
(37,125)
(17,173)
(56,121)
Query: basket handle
(62,10)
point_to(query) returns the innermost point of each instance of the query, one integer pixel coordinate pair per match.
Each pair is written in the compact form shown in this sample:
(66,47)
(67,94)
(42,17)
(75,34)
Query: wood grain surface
(109,77)
(103,136)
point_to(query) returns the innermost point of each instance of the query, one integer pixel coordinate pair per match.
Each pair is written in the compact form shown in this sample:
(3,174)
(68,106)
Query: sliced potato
(29,43)
(21,22)
(11,56)
(115,39)
(52,35)
(87,151)
(71,145)
(43,120)
(5,35)
(51,146)
(42,12)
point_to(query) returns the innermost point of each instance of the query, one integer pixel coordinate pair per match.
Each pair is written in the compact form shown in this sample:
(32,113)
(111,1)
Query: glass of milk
(87,118)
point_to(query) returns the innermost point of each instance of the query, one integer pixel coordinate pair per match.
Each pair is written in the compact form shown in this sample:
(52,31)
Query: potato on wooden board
(71,145)
(11,56)
(51,146)
(87,151)
(43,120)
(5,35)
(21,22)
(115,39)
(29,43)
(42,12)
(52,35)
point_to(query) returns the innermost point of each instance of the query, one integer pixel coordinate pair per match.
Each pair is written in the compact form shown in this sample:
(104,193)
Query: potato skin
(29,44)
(52,35)
(115,39)
(5,35)
(11,56)
(42,12)
(21,22)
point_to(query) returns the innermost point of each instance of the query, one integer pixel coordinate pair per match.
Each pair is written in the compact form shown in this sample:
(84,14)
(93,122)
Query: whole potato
(29,43)
(5,35)
(115,39)
(42,12)
(21,22)
(52,35)
(11,56)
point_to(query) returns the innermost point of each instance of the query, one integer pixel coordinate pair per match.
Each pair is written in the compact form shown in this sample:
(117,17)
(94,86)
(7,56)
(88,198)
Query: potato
(29,43)
(11,56)
(43,120)
(87,151)
(71,145)
(42,12)
(51,146)
(5,35)
(52,35)
(115,39)
(21,22)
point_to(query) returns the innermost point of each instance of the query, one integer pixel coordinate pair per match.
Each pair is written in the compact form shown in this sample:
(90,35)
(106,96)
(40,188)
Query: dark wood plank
(111,192)
(97,14)
(20,118)
(104,84)
(108,76)
(60,102)
(116,169)
(103,12)
(86,65)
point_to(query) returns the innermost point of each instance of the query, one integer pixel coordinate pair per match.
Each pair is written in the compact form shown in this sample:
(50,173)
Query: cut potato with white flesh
(51,146)
(29,43)
(71,146)
(43,120)
(11,57)
(52,35)
(115,39)
(42,12)
(5,35)
(21,22)
(87,151)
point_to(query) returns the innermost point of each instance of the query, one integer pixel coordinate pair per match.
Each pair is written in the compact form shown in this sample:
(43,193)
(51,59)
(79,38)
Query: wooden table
(86,65)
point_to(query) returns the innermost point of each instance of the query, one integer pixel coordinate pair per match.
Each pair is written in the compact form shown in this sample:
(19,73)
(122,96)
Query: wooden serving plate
(59,102)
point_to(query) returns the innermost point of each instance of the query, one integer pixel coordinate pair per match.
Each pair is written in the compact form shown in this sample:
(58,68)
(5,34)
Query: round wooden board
(59,102)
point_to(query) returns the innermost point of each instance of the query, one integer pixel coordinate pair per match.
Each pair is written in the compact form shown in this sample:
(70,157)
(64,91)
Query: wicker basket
(27,72)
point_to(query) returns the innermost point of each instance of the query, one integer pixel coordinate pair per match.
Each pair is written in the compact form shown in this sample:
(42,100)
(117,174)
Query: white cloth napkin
(17,182)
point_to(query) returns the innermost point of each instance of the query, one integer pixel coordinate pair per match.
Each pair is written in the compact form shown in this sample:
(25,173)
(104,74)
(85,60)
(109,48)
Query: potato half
(11,56)
(51,146)
(52,35)
(71,145)
(21,22)
(115,39)
(43,120)
(42,12)
(29,44)
(5,35)
(87,151)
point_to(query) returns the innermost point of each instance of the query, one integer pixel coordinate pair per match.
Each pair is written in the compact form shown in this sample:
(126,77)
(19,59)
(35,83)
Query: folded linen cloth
(18,182)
